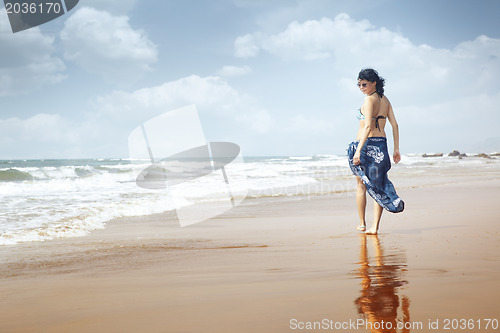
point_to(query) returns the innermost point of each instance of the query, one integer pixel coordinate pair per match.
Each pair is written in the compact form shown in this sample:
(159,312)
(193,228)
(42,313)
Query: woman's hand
(356,159)
(396,156)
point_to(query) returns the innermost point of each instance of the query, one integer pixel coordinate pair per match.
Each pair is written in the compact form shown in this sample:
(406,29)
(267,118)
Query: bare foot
(361,227)
(371,231)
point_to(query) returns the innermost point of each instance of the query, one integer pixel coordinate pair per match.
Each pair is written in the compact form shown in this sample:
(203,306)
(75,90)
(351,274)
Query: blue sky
(276,77)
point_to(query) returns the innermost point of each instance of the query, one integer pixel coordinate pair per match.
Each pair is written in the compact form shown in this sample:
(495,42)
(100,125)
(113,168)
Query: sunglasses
(362,85)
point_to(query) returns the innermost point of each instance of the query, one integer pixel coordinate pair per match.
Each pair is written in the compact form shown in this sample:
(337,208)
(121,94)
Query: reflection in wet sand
(382,276)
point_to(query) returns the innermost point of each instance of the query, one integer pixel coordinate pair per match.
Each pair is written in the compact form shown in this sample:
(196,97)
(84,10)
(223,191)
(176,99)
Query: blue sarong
(375,163)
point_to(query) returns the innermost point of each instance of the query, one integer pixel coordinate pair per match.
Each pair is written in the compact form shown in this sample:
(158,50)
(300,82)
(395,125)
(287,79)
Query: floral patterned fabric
(375,163)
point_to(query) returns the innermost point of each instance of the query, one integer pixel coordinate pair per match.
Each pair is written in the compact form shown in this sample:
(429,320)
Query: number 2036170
(470,324)
(33,8)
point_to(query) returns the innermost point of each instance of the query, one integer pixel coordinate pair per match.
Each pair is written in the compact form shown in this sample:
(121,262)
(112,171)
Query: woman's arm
(368,112)
(395,134)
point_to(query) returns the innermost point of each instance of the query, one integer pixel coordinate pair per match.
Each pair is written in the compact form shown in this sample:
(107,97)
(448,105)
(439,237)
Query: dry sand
(273,265)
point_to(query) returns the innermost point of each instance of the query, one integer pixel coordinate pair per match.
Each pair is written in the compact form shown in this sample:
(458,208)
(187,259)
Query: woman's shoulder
(386,99)
(372,98)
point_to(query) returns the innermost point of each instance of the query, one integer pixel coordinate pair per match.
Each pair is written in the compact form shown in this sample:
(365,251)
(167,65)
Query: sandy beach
(270,265)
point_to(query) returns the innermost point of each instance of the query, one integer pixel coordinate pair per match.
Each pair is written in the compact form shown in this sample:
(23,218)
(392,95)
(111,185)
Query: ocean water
(48,199)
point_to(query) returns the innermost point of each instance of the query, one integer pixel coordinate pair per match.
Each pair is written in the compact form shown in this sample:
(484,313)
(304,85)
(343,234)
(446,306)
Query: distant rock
(483,155)
(457,153)
(433,155)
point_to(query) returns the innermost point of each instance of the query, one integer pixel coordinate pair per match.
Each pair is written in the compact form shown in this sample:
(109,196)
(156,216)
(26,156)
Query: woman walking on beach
(368,155)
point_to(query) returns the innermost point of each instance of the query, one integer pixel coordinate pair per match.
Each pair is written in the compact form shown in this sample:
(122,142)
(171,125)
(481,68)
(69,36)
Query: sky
(276,77)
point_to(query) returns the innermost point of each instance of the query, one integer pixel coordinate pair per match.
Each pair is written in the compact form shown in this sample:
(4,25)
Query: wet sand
(273,265)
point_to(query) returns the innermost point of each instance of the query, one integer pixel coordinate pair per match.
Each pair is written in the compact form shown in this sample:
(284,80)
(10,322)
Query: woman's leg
(361,203)
(377,214)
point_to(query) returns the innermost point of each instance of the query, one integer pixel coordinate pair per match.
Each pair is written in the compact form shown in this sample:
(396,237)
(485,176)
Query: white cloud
(103,132)
(246,46)
(211,94)
(414,71)
(234,71)
(107,45)
(226,112)
(341,38)
(51,134)
(27,60)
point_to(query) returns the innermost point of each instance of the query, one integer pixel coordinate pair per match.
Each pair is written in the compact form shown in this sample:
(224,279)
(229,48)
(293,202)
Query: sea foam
(47,199)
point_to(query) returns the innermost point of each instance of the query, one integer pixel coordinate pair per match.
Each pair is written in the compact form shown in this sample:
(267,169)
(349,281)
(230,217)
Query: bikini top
(361,116)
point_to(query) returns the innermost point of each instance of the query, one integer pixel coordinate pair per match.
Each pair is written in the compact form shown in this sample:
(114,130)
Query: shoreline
(66,199)
(404,180)
(262,264)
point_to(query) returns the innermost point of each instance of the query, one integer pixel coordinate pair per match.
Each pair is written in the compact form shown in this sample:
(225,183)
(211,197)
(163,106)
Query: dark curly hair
(371,75)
